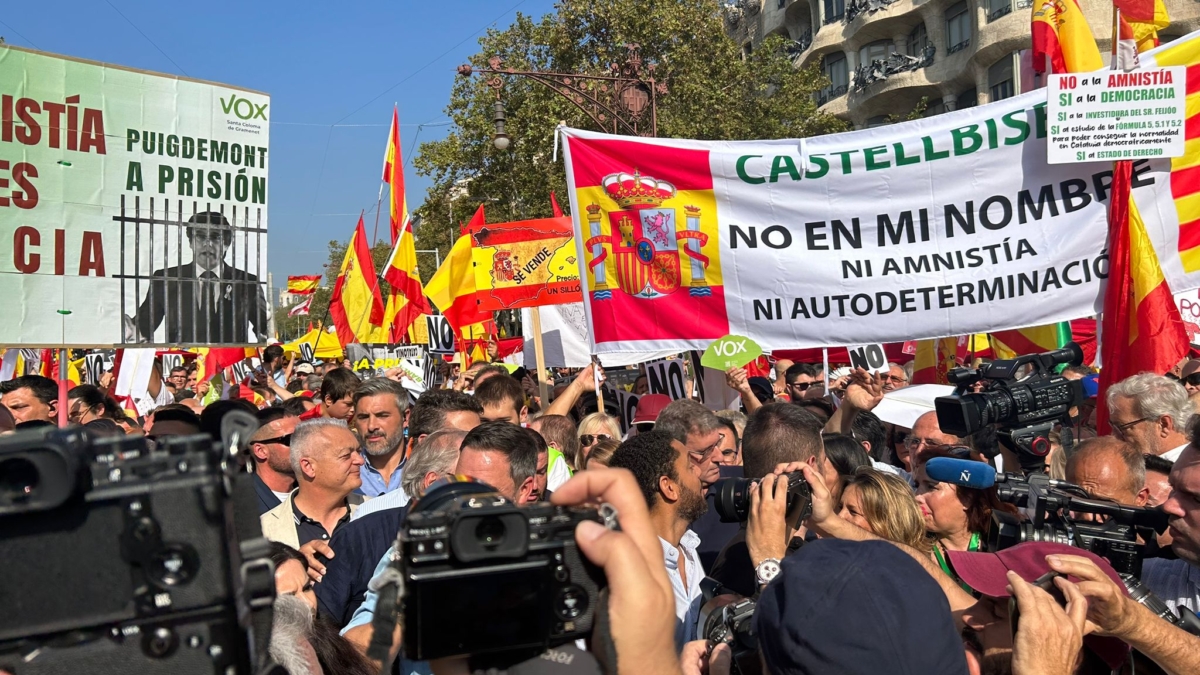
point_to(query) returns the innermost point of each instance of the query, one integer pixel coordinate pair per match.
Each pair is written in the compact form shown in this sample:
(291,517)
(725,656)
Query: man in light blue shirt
(379,420)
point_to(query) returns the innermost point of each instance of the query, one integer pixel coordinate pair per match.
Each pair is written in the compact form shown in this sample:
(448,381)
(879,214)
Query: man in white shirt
(1150,412)
(671,484)
(1177,582)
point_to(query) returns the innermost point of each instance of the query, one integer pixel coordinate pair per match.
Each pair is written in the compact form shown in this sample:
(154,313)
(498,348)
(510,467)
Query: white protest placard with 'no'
(441,334)
(1109,115)
(870,358)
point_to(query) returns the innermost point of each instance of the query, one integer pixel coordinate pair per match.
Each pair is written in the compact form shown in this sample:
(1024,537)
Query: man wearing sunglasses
(270,447)
(799,377)
(1151,413)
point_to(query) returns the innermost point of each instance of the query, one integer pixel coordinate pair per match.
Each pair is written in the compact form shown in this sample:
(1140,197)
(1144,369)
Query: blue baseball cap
(1091,385)
(856,608)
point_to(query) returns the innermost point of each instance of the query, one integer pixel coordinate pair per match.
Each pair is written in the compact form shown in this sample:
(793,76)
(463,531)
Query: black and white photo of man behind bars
(206,301)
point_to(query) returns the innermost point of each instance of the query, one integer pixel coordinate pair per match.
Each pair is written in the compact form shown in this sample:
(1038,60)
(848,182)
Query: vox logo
(244,108)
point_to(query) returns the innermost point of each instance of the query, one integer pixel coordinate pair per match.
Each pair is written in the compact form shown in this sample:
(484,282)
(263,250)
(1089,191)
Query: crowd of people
(886,570)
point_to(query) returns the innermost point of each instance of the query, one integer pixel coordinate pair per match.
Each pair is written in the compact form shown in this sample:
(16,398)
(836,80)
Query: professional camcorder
(1022,397)
(1053,510)
(473,573)
(121,557)
(733,498)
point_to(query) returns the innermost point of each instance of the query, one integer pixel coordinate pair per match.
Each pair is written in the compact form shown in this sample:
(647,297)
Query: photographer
(779,433)
(1109,469)
(672,491)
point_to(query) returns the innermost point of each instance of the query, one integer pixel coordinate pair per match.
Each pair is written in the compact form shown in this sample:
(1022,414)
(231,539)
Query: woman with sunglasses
(593,429)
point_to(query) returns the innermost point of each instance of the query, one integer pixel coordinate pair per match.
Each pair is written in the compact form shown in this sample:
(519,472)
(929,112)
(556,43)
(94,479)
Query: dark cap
(985,572)
(762,389)
(811,618)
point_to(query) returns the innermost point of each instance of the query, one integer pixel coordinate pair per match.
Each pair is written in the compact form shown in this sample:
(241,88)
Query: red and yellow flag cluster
(359,311)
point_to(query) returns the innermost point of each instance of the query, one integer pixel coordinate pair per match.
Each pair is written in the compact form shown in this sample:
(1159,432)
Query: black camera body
(1049,505)
(124,558)
(729,619)
(1022,397)
(483,576)
(733,498)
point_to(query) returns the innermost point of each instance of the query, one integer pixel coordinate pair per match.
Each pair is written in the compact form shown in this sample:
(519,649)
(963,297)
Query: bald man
(1109,468)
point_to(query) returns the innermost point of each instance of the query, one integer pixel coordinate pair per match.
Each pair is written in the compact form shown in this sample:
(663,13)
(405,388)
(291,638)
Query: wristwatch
(766,571)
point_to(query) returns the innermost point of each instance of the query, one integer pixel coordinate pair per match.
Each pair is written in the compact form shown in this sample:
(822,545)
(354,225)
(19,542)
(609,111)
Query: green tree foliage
(713,93)
(289,328)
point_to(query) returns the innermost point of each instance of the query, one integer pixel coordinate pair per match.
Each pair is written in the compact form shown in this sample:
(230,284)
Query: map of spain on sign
(528,263)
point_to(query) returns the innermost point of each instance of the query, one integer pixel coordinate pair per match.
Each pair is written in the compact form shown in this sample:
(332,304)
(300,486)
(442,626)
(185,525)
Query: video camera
(1022,397)
(474,574)
(123,557)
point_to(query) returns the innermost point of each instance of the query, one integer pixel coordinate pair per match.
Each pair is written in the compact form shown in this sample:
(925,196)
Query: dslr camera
(729,619)
(474,574)
(125,558)
(1022,397)
(733,498)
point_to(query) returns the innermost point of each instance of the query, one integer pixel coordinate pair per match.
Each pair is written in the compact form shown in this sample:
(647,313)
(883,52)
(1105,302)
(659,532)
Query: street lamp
(625,101)
(499,138)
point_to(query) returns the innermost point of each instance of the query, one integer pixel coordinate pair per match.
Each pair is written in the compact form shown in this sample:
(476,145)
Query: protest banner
(528,263)
(905,232)
(137,205)
(171,362)
(94,367)
(1116,115)
(628,405)
(564,336)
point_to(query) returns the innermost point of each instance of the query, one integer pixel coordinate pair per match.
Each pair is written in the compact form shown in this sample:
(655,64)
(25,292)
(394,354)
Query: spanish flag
(303,285)
(1061,32)
(210,361)
(452,288)
(1145,19)
(393,175)
(407,301)
(1008,344)
(356,305)
(934,360)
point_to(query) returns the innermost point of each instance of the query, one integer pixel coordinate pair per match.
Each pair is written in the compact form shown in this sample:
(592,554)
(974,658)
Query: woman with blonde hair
(593,429)
(883,504)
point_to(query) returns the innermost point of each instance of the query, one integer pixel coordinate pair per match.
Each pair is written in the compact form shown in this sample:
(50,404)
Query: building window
(918,40)
(781,4)
(998,8)
(877,50)
(958,27)
(1001,84)
(967,99)
(934,109)
(834,67)
(834,10)
(878,121)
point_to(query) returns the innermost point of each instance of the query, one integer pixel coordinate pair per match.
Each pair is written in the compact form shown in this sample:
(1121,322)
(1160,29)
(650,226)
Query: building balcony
(830,93)
(879,70)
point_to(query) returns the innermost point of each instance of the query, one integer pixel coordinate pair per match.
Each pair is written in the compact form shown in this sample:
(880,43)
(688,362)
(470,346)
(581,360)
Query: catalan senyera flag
(934,360)
(357,306)
(650,252)
(528,263)
(393,175)
(303,285)
(1061,32)
(1008,344)
(452,287)
(1185,170)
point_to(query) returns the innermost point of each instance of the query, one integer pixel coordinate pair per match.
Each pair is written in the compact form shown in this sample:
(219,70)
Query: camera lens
(490,531)
(19,478)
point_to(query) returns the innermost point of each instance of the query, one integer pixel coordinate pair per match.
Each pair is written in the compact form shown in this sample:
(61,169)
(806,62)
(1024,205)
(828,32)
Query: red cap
(649,406)
(985,572)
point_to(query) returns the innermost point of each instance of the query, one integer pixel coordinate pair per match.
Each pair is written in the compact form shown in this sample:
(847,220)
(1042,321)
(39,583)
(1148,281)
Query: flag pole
(62,388)
(378,206)
(535,314)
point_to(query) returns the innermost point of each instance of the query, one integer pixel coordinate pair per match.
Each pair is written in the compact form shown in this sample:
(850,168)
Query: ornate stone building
(883,57)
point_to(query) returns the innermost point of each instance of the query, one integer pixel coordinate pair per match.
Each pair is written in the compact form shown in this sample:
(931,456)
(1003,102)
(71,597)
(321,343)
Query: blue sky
(322,63)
